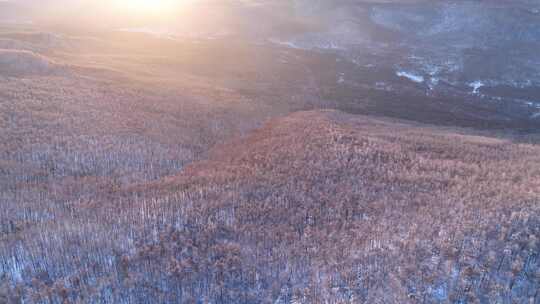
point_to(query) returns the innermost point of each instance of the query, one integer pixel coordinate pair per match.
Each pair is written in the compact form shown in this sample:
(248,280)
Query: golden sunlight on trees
(273,160)
(341,204)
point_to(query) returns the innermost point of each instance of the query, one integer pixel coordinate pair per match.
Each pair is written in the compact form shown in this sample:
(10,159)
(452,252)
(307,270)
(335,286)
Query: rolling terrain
(272,165)
(314,207)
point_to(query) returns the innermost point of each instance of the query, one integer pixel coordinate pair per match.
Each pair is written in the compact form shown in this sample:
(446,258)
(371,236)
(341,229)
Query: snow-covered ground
(411,76)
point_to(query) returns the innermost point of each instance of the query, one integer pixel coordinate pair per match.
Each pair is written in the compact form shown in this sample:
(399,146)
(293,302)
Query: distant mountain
(456,44)
(486,48)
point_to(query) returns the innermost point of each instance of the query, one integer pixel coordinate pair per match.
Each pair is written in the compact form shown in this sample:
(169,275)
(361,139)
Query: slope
(316,207)
(324,207)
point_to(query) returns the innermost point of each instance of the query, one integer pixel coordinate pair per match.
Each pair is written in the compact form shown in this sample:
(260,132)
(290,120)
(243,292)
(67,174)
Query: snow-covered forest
(278,163)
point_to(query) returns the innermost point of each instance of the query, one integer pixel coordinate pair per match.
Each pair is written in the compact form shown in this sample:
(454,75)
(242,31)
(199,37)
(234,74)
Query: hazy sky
(99,13)
(178,15)
(195,15)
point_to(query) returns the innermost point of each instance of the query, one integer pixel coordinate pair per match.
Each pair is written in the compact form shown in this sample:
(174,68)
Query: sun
(145,6)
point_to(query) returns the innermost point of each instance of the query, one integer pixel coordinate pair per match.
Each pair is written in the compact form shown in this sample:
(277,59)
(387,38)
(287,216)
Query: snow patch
(476,85)
(532,104)
(433,70)
(341,78)
(434,81)
(383,86)
(288,44)
(411,76)
(535,105)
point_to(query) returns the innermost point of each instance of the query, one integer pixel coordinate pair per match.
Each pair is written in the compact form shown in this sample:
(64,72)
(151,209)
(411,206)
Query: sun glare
(145,6)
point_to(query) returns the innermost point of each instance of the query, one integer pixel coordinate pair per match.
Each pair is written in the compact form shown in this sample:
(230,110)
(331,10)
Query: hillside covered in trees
(316,207)
(276,152)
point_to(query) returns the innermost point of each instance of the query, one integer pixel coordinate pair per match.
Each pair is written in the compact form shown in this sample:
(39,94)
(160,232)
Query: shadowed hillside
(24,63)
(316,207)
